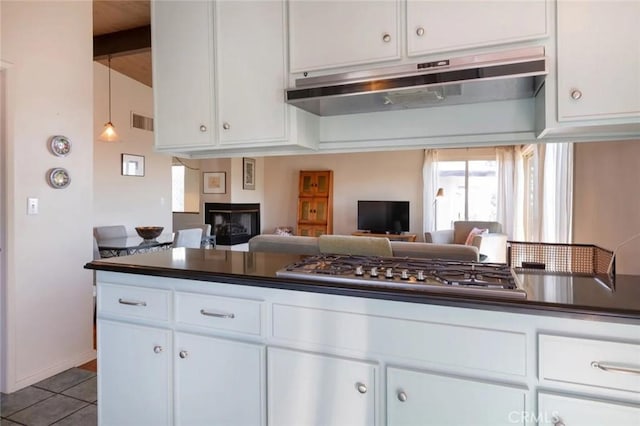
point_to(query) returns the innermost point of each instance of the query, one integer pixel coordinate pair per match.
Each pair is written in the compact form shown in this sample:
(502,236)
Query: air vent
(139,121)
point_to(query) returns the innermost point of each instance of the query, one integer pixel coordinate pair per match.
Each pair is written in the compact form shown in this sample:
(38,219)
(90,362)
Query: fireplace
(233,223)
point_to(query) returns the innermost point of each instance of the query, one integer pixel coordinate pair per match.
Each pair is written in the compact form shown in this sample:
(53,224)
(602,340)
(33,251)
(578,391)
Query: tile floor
(66,399)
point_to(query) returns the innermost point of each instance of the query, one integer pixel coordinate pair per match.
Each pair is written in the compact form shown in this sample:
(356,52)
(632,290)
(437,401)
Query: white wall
(233,167)
(127,200)
(47,295)
(390,175)
(606,201)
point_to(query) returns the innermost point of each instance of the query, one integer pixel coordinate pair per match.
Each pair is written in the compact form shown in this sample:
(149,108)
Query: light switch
(32,205)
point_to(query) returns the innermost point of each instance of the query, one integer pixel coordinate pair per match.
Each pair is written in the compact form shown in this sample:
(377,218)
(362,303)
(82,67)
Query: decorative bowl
(149,232)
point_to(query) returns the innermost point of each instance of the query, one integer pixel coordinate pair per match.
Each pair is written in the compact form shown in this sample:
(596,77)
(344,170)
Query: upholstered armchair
(491,245)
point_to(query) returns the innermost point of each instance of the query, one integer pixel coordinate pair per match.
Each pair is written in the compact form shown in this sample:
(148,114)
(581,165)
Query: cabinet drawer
(590,362)
(136,302)
(218,312)
(431,342)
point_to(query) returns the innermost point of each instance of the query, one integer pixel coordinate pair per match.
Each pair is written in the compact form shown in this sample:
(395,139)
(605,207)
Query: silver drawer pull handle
(132,302)
(614,369)
(157,349)
(362,388)
(216,314)
(402,397)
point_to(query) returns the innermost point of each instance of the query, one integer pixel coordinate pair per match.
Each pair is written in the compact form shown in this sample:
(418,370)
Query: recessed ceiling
(115,15)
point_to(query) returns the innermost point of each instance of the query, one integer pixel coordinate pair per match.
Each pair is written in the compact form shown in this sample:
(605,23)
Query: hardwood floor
(91,366)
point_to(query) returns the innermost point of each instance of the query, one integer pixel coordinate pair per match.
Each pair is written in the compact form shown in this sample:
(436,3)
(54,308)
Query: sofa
(313,245)
(492,245)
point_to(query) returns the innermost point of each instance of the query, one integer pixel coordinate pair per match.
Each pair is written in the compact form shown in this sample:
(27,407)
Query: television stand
(411,238)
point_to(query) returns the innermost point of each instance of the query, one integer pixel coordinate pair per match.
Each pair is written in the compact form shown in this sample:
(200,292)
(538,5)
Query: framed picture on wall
(248,173)
(132,165)
(214,183)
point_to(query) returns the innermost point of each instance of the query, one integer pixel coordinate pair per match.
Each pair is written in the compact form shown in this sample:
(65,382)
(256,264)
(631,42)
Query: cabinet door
(311,230)
(445,25)
(326,34)
(315,183)
(313,210)
(182,73)
(416,398)
(313,389)
(250,58)
(564,410)
(598,59)
(218,382)
(134,375)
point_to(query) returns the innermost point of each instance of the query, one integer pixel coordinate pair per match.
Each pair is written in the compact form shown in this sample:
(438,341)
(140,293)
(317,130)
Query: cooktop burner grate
(436,275)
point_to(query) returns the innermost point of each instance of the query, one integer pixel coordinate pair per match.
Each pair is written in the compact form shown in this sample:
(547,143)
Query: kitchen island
(214,337)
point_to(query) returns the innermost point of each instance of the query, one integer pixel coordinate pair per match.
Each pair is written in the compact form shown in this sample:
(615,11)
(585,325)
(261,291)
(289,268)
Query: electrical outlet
(32,206)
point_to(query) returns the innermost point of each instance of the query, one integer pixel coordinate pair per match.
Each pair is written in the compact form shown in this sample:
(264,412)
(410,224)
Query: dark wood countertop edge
(462,301)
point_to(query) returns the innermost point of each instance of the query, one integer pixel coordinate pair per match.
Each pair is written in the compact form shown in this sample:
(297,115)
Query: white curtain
(429,188)
(553,196)
(510,195)
(558,193)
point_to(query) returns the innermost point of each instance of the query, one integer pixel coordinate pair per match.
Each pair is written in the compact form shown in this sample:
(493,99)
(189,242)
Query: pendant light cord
(109,88)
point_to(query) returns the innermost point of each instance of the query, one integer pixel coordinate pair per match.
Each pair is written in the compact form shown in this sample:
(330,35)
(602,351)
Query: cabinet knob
(157,349)
(402,397)
(203,128)
(557,421)
(576,94)
(386,38)
(226,125)
(420,31)
(183,354)
(362,388)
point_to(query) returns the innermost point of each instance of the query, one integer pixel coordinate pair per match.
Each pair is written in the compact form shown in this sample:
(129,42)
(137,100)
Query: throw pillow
(284,230)
(473,233)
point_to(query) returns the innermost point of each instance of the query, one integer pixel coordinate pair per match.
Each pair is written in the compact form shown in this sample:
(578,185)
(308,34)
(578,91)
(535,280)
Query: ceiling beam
(122,43)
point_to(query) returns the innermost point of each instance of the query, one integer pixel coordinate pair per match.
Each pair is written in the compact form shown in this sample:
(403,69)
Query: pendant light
(109,132)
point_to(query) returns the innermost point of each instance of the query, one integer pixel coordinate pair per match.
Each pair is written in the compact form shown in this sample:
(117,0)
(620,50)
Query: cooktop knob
(420,276)
(388,273)
(374,271)
(405,274)
(359,271)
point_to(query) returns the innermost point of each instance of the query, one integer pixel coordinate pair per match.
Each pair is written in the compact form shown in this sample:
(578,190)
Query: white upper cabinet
(329,34)
(251,78)
(438,26)
(598,60)
(182,74)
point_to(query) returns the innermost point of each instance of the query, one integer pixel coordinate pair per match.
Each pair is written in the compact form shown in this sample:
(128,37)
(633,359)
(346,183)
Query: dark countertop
(558,295)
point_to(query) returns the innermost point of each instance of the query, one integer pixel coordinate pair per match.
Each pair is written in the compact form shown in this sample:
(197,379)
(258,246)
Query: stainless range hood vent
(488,77)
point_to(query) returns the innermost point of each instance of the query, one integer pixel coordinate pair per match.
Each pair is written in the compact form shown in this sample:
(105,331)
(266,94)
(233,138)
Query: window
(470,184)
(185,187)
(177,188)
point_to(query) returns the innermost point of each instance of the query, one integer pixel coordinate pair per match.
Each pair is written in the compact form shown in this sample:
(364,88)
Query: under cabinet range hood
(506,75)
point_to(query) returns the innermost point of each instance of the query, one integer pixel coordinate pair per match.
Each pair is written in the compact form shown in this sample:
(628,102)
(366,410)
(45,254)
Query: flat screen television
(381,217)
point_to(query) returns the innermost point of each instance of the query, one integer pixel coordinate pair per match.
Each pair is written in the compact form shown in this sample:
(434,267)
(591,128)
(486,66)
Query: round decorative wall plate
(60,145)
(58,178)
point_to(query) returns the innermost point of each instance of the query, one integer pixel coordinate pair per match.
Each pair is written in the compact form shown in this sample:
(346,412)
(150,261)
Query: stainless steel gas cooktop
(421,275)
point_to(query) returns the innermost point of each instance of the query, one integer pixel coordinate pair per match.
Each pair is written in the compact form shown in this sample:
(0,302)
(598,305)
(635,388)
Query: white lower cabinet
(312,389)
(218,381)
(418,398)
(175,352)
(134,381)
(560,410)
